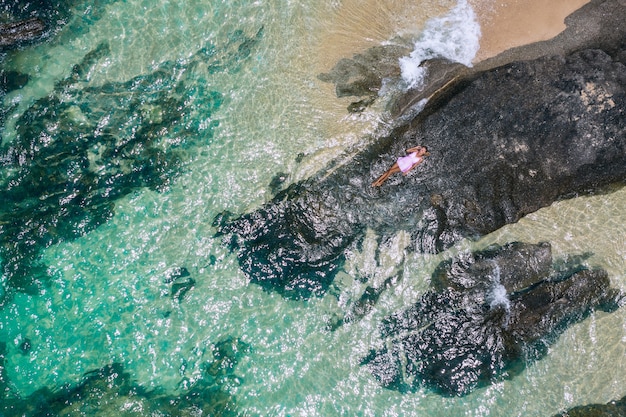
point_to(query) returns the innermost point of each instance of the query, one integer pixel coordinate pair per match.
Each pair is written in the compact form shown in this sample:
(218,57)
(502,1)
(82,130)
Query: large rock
(489,314)
(504,143)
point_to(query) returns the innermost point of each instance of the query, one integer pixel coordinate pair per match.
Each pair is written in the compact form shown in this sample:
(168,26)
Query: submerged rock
(503,142)
(76,152)
(361,307)
(24,22)
(181,281)
(11,80)
(363,74)
(226,354)
(25,346)
(83,147)
(489,314)
(108,390)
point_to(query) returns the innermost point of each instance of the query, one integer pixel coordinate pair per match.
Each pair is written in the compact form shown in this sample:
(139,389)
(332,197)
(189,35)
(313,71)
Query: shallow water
(106,292)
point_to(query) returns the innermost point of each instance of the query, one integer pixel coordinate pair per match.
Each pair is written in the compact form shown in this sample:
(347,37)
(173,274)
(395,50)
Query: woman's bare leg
(381,179)
(395,168)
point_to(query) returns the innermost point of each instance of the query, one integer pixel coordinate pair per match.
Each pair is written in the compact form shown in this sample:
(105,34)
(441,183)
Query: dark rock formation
(24,22)
(70,160)
(25,346)
(611,409)
(364,75)
(491,313)
(16,33)
(504,143)
(596,25)
(226,355)
(11,80)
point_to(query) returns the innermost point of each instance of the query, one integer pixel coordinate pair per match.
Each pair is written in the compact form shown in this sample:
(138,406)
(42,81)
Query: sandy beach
(357,25)
(510,23)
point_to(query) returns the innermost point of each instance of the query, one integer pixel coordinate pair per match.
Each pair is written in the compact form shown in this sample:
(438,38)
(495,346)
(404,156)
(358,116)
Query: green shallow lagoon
(190,110)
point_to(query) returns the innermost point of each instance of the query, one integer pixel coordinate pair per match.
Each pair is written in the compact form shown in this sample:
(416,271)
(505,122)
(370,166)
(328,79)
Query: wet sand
(506,24)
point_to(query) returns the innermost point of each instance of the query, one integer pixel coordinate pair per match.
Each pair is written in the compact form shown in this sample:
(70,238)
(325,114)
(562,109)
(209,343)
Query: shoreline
(513,23)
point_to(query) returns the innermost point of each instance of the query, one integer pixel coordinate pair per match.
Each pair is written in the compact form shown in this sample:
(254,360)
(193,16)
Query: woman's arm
(413,149)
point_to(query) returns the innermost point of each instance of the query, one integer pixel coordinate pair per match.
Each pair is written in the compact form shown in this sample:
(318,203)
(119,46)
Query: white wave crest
(454,36)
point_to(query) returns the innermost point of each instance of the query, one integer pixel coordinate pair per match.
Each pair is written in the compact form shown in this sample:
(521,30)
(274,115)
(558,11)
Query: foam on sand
(454,36)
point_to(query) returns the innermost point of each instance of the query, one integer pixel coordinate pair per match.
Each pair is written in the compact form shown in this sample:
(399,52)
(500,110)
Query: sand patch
(506,24)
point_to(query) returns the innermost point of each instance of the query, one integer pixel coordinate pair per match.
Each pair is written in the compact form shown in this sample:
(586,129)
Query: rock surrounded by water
(490,312)
(504,143)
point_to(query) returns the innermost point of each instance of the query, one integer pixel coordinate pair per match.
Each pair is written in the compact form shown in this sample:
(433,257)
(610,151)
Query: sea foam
(454,36)
(497,297)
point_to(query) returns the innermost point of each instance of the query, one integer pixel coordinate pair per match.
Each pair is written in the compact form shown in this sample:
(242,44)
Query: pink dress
(406,162)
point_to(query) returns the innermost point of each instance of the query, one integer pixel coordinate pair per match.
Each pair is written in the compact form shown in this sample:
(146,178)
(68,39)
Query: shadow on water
(110,390)
(83,147)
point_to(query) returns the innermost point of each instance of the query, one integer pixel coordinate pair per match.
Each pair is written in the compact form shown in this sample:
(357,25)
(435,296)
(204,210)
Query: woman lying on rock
(404,164)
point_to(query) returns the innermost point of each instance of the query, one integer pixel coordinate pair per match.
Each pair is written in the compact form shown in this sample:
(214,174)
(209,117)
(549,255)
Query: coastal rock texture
(363,74)
(504,142)
(24,22)
(611,409)
(68,163)
(16,33)
(489,314)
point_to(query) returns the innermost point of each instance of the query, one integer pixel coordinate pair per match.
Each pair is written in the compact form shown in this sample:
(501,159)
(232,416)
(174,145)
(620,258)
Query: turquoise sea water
(179,111)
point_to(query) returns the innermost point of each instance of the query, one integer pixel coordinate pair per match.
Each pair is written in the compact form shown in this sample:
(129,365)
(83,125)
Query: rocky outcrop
(503,142)
(489,314)
(596,25)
